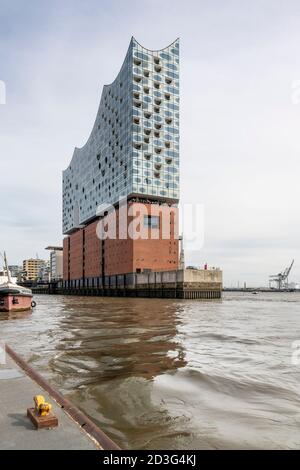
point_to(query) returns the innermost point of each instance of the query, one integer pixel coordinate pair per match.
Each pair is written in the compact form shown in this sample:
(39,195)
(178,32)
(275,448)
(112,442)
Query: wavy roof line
(155,50)
(78,149)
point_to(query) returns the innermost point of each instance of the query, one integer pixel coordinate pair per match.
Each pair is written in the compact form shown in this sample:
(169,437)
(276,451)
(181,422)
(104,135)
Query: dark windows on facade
(151,221)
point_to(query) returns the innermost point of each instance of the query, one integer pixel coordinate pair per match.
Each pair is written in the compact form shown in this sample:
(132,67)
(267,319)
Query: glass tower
(133,149)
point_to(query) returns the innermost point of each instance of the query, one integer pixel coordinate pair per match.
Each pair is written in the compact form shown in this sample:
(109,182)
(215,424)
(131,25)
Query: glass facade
(133,149)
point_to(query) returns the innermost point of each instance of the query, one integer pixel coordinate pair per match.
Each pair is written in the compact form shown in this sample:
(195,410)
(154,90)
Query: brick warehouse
(132,152)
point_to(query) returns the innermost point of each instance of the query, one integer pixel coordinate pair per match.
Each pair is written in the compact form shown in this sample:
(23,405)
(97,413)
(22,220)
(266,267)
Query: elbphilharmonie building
(132,152)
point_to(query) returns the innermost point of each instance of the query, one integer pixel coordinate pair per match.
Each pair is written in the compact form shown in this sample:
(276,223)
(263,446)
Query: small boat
(14,298)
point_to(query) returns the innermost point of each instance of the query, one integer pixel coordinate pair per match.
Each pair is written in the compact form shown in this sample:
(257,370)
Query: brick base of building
(87,256)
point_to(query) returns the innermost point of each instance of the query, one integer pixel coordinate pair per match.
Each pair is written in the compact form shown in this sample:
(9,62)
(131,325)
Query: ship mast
(6,267)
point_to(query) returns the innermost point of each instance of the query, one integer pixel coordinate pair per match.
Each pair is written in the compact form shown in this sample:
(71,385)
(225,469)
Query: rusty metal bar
(78,416)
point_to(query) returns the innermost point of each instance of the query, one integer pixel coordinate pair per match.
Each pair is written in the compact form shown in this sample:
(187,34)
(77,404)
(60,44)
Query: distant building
(16,271)
(31,268)
(56,262)
(132,153)
(44,272)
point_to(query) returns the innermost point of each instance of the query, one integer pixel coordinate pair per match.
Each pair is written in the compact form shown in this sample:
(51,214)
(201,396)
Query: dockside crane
(281,280)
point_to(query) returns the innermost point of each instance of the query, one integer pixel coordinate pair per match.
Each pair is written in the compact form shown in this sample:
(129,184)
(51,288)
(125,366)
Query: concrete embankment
(178,284)
(19,383)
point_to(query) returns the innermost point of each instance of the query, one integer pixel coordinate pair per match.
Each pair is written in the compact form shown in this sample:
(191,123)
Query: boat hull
(15,303)
(14,298)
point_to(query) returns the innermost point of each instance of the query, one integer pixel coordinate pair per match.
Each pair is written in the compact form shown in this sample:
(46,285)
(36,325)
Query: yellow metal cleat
(41,407)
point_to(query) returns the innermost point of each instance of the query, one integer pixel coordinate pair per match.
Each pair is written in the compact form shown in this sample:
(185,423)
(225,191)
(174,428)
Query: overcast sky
(240,118)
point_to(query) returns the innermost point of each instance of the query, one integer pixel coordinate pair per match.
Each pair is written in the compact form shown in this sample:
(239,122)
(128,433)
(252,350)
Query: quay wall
(182,284)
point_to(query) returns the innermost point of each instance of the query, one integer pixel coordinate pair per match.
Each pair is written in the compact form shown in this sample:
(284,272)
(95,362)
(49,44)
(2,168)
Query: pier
(204,284)
(19,383)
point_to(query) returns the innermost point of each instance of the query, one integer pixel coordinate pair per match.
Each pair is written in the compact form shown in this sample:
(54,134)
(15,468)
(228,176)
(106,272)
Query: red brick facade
(155,249)
(76,255)
(93,258)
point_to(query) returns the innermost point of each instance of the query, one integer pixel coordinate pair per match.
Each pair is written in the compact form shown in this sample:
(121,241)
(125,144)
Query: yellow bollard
(41,415)
(41,407)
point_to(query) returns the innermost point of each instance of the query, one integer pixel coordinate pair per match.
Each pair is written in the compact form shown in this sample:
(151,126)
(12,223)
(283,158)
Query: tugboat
(14,298)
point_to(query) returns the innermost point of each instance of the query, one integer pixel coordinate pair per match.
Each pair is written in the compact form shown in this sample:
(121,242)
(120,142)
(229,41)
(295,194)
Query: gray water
(171,374)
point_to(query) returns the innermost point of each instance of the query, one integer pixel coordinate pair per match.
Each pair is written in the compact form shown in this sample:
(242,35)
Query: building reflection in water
(107,358)
(112,338)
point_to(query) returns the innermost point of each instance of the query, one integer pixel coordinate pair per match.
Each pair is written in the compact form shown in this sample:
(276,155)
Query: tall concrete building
(132,153)
(56,262)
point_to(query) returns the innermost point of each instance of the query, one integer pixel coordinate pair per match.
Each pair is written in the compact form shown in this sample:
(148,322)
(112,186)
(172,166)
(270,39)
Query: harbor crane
(281,280)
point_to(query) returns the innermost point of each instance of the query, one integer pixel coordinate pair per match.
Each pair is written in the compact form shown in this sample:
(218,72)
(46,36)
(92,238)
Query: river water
(172,374)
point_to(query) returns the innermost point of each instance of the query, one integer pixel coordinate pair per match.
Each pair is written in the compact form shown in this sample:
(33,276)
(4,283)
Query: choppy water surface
(160,374)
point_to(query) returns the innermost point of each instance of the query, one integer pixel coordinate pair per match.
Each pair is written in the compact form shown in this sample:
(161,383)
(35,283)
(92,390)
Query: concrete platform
(200,284)
(16,430)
